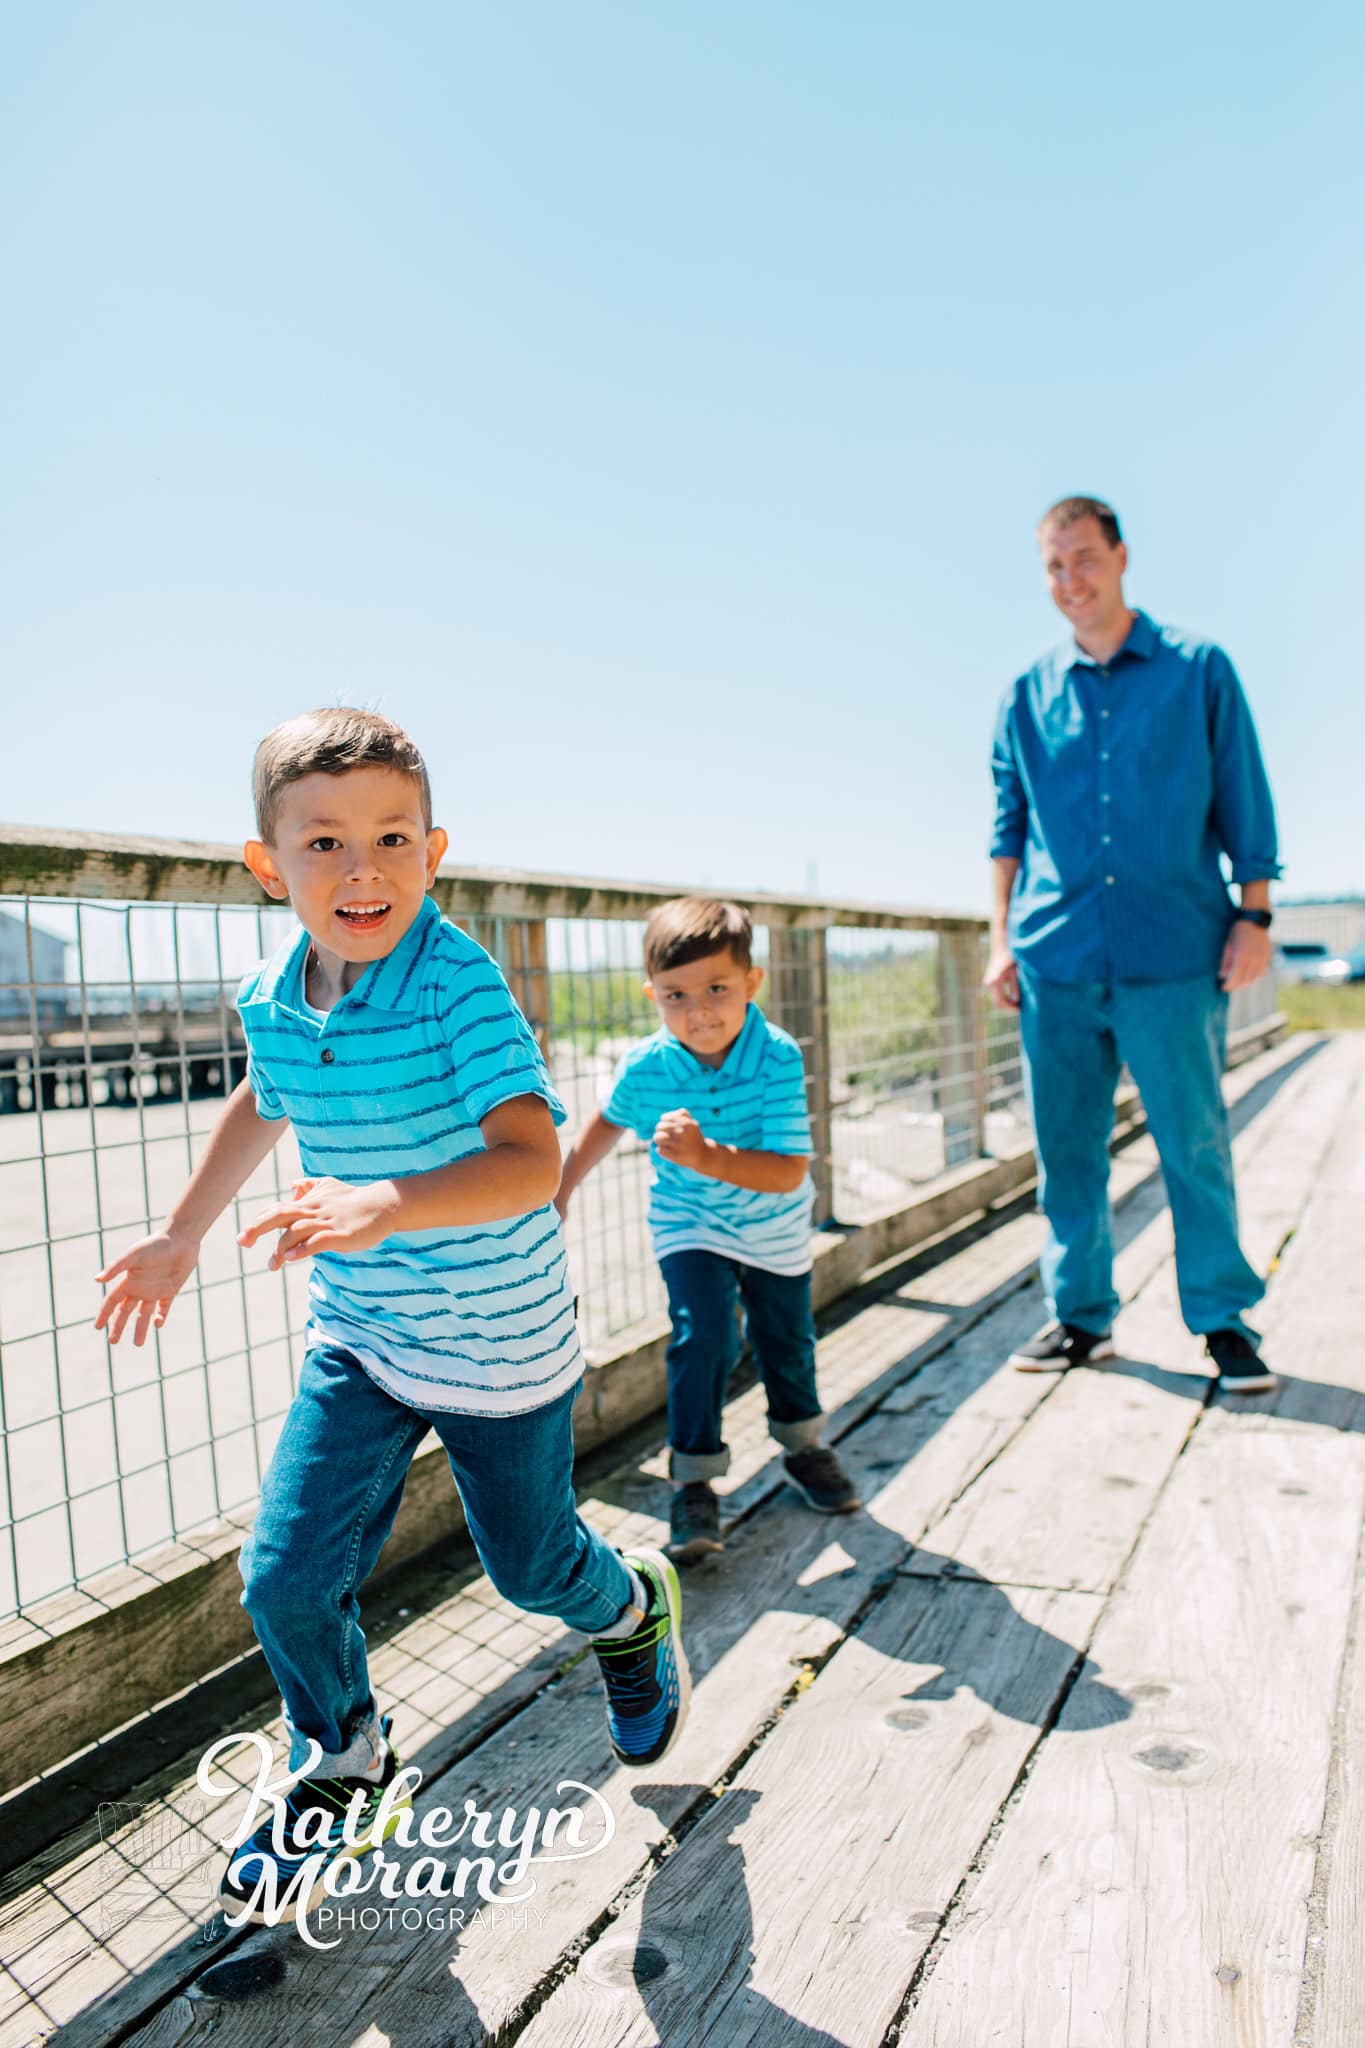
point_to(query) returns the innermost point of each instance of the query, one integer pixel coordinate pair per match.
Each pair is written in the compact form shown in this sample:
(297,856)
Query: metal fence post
(526,965)
(962,1081)
(798,1000)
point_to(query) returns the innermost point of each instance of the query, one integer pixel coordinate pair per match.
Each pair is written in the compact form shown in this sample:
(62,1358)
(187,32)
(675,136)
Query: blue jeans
(329,1500)
(1172,1036)
(703,1291)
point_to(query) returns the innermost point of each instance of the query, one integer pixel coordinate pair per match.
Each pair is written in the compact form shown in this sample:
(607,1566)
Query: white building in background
(1337,922)
(49,965)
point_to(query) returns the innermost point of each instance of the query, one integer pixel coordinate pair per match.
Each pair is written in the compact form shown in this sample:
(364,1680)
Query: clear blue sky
(650,405)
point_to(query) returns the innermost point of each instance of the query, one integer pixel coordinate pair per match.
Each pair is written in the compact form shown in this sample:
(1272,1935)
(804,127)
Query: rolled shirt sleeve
(1011,803)
(1243,809)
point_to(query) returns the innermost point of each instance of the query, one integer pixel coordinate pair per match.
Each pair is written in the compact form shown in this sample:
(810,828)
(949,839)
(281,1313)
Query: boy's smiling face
(703,1004)
(353,855)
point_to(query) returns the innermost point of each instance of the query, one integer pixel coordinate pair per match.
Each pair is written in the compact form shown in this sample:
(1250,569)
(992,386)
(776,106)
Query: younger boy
(720,1094)
(438,1290)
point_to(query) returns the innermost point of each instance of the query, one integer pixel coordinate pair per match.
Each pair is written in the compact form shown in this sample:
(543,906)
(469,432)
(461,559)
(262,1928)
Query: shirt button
(1104,796)
(327,1055)
(1110,880)
(1105,840)
(1105,755)
(1104,714)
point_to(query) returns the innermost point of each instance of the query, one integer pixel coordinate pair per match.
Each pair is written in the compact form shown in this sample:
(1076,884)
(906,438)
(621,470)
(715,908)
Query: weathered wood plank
(1065,1501)
(1335,1990)
(800,1906)
(1316,1314)
(1150,1885)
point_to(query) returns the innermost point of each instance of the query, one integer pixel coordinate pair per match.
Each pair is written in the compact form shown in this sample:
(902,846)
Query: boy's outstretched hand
(679,1137)
(143,1282)
(327,1216)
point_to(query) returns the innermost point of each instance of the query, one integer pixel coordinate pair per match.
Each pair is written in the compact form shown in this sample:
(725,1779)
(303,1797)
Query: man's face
(703,1004)
(354,858)
(1084,574)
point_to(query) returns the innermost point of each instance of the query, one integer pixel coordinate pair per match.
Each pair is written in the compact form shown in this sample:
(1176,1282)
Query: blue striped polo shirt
(394,1081)
(756,1099)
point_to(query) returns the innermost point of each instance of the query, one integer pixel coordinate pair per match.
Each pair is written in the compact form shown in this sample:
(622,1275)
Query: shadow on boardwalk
(412,2013)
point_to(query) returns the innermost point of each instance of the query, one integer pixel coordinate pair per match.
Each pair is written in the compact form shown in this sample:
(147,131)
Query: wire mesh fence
(119,1041)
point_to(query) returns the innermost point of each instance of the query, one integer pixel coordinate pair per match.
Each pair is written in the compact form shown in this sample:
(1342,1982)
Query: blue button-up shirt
(1118,786)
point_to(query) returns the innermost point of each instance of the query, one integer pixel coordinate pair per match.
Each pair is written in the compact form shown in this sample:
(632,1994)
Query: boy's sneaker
(1061,1344)
(693,1523)
(258,1858)
(1241,1369)
(817,1473)
(649,1686)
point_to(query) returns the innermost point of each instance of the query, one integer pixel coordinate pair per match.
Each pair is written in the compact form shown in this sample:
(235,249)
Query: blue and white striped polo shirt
(756,1099)
(394,1081)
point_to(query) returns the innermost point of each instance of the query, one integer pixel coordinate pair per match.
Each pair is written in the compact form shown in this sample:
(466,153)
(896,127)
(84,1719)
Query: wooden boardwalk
(1048,1747)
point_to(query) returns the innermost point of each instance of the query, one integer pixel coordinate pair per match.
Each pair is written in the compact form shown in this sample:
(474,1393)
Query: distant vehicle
(1341,967)
(1300,959)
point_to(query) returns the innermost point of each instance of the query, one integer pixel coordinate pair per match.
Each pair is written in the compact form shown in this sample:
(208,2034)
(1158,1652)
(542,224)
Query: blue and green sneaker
(649,1686)
(271,1885)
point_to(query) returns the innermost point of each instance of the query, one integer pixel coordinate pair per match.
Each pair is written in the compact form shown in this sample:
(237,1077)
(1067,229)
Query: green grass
(882,1011)
(1306,1006)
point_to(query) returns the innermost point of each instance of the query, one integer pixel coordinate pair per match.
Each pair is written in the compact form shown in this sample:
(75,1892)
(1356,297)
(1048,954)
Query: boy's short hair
(690,927)
(1067,511)
(330,742)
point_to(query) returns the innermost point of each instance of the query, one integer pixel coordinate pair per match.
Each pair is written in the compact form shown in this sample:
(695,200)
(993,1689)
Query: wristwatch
(1260,917)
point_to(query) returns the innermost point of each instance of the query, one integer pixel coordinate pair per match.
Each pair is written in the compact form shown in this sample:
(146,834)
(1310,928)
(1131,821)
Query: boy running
(720,1095)
(438,1288)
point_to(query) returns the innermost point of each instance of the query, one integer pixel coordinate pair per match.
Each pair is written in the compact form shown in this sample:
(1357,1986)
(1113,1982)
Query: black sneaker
(816,1472)
(693,1523)
(649,1686)
(1241,1369)
(1058,1345)
(270,1884)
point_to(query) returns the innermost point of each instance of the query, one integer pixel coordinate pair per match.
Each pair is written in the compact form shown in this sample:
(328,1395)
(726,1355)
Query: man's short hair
(690,927)
(330,742)
(1067,511)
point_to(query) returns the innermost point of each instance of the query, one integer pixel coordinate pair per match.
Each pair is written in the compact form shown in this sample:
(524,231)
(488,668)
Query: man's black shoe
(1058,1345)
(1241,1369)
(817,1474)
(693,1523)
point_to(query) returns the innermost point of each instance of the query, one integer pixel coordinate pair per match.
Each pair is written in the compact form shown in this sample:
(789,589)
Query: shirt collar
(388,984)
(740,1063)
(1141,643)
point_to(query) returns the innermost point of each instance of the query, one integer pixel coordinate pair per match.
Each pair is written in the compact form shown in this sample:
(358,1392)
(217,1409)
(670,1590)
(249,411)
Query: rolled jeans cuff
(363,1749)
(685,1466)
(797,1436)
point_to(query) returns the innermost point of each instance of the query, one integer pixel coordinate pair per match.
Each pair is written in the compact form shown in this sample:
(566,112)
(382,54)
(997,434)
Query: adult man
(1125,764)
